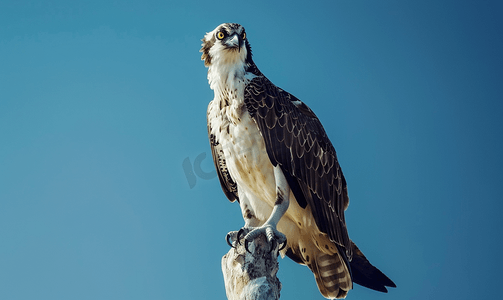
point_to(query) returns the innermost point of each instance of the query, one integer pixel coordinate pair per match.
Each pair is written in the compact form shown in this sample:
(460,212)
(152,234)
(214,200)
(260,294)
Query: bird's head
(226,44)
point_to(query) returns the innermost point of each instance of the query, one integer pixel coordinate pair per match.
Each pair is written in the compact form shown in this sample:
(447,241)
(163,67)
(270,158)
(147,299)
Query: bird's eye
(220,35)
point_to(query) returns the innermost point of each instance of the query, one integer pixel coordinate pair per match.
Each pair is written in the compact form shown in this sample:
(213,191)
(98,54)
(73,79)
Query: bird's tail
(335,279)
(365,274)
(332,275)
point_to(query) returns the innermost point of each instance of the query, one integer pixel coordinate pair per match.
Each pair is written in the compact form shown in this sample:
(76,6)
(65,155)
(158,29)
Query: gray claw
(227,237)
(246,246)
(238,236)
(283,245)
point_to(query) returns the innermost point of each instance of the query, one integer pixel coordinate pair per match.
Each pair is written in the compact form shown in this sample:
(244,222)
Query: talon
(246,246)
(283,246)
(227,237)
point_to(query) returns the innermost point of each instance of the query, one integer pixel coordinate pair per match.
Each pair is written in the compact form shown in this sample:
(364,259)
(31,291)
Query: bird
(273,156)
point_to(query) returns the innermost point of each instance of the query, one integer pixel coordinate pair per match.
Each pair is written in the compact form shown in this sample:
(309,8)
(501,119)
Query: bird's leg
(251,221)
(274,237)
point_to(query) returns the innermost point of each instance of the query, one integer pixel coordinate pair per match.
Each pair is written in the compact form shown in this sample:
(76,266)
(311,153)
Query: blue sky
(103,120)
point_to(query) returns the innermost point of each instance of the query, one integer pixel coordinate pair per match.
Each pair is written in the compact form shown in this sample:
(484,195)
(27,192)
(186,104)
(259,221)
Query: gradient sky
(106,183)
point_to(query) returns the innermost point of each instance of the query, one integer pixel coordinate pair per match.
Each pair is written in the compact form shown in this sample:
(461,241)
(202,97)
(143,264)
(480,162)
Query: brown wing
(228,185)
(296,140)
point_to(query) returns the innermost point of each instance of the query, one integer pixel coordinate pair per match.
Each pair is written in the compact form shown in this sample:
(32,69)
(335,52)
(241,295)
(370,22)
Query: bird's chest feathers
(247,159)
(242,143)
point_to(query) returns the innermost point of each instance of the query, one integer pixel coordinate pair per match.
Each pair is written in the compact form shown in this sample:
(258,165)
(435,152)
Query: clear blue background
(101,102)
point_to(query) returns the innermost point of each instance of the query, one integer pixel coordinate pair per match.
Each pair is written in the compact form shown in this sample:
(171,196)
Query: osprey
(273,156)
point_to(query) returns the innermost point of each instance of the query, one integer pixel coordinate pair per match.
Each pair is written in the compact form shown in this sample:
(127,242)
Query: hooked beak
(234,41)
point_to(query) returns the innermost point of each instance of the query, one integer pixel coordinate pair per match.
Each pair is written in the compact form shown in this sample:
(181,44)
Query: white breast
(244,152)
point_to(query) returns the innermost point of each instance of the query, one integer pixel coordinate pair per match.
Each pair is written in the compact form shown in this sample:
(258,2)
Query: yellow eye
(220,35)
(244,35)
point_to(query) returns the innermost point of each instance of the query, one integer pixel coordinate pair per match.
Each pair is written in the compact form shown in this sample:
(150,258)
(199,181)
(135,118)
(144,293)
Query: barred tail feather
(332,275)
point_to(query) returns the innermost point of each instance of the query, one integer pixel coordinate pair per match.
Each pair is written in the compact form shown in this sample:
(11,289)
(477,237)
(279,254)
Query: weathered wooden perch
(251,276)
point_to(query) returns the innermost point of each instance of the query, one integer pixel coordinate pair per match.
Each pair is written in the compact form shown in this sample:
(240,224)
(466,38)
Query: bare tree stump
(251,276)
